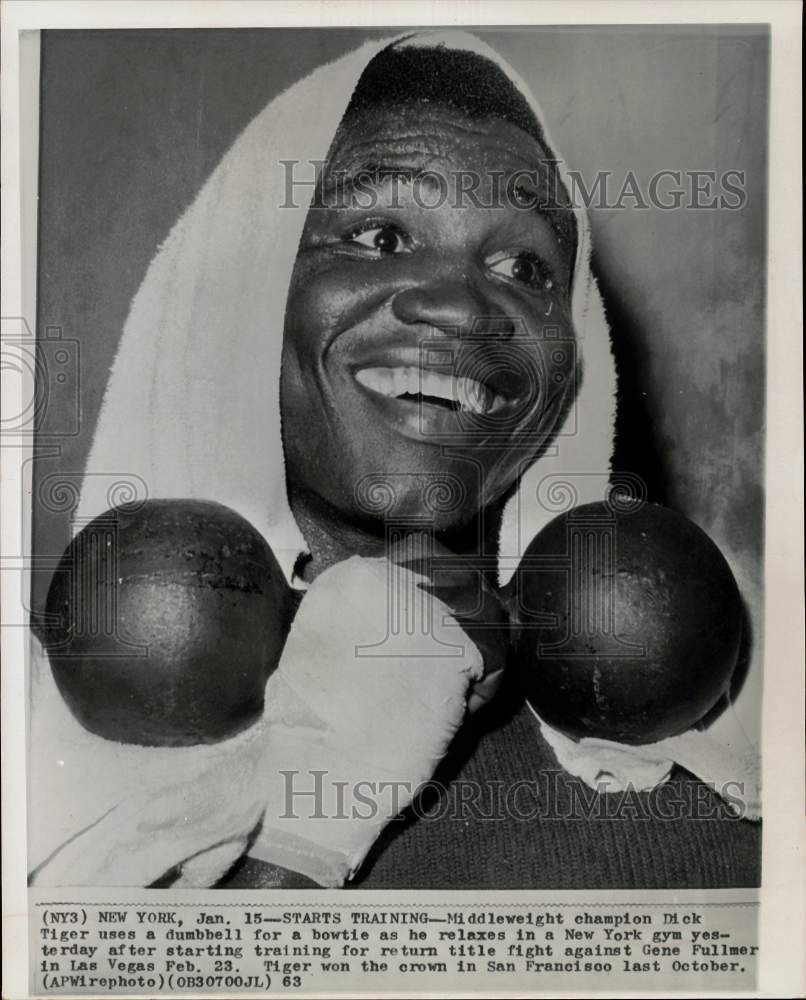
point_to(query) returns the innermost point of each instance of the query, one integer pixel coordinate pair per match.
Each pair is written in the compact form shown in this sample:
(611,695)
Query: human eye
(524,268)
(383,238)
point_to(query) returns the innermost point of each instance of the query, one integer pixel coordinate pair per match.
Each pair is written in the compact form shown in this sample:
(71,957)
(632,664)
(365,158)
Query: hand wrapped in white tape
(372,686)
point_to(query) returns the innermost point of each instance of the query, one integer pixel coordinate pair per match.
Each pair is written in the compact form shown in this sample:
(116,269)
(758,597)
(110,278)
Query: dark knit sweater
(679,836)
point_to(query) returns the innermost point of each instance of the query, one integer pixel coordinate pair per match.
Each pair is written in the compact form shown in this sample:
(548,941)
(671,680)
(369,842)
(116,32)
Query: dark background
(133,122)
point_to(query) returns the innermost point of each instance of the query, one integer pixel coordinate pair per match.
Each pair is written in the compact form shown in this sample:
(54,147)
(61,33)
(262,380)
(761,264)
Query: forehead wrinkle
(432,145)
(436,128)
(411,154)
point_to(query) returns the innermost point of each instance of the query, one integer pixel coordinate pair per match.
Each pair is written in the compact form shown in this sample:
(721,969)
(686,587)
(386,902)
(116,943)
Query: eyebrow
(371,174)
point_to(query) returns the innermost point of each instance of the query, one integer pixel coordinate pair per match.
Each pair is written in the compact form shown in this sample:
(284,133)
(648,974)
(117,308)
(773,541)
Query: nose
(451,304)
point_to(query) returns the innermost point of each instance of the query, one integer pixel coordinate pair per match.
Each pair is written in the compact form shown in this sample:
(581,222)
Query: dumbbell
(628,622)
(166,622)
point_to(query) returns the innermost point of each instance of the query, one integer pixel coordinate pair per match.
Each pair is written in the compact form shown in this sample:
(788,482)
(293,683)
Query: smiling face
(428,345)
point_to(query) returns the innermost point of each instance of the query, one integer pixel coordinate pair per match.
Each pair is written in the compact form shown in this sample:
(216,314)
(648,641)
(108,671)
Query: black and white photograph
(395,471)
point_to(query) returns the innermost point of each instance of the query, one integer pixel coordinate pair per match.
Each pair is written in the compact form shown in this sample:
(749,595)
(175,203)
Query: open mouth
(458,394)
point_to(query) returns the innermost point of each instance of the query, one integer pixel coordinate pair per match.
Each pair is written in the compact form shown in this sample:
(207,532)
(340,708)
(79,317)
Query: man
(444,356)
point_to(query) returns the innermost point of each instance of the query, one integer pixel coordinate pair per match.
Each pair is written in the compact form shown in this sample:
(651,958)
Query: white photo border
(782,910)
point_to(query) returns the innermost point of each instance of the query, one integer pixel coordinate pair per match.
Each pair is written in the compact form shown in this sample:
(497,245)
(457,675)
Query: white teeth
(472,396)
(379,379)
(437,385)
